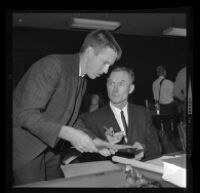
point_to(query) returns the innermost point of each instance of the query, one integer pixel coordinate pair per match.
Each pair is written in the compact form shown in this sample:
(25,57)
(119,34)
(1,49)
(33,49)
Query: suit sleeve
(35,93)
(82,126)
(90,120)
(153,147)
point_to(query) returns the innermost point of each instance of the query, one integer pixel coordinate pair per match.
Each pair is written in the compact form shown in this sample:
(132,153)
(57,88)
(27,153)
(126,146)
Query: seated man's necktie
(125,126)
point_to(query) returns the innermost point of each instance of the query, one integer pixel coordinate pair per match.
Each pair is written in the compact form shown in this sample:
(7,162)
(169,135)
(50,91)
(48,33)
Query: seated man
(120,118)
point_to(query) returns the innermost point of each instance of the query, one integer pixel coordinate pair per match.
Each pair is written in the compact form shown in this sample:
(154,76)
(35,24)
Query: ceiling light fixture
(174,31)
(82,23)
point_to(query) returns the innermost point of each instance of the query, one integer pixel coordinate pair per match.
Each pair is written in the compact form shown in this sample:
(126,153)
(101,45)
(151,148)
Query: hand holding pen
(113,137)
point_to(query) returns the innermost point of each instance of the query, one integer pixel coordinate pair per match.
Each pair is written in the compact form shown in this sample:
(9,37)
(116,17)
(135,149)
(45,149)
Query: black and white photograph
(100,99)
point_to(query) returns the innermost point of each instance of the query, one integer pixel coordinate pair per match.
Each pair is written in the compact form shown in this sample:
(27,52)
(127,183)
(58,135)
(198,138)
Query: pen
(109,131)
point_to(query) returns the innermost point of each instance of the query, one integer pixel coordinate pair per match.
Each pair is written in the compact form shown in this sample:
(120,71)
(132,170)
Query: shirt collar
(79,70)
(81,75)
(117,110)
(161,77)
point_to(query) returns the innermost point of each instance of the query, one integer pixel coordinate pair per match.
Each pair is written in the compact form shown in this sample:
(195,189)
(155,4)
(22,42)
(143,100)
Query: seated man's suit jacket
(140,127)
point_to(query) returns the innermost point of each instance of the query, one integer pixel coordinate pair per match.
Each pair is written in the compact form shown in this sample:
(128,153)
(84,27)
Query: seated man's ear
(132,88)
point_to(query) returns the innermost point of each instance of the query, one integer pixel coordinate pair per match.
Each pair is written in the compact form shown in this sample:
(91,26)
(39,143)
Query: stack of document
(174,170)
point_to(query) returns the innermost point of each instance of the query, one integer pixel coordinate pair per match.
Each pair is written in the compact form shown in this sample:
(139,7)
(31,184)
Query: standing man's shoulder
(48,61)
(59,62)
(58,58)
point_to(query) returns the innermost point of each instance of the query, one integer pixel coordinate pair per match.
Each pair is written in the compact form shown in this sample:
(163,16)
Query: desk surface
(105,179)
(110,179)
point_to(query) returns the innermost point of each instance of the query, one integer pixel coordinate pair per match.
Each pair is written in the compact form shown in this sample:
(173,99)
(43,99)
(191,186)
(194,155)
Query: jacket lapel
(78,87)
(131,124)
(112,119)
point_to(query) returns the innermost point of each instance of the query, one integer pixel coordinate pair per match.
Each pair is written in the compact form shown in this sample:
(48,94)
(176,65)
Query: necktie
(124,122)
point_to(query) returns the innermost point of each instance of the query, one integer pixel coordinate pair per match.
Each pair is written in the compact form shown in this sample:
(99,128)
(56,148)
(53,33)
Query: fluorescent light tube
(174,31)
(82,23)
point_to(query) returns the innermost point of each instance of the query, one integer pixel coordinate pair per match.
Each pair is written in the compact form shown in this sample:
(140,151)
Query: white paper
(174,174)
(158,161)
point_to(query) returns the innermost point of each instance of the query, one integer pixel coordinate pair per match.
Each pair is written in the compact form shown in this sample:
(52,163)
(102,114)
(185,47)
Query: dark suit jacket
(46,98)
(140,126)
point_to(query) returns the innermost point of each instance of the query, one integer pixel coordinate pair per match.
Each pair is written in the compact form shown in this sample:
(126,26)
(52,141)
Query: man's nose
(115,88)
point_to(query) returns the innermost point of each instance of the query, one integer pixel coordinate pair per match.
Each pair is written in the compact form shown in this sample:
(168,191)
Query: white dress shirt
(117,113)
(80,71)
(166,91)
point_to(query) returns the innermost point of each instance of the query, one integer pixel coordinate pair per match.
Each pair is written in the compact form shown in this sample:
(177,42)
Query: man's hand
(104,147)
(113,137)
(80,140)
(139,146)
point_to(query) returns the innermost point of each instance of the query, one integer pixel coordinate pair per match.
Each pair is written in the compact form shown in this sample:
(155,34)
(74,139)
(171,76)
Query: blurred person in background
(163,92)
(92,102)
(179,91)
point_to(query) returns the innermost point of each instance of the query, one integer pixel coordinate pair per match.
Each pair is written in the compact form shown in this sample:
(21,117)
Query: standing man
(46,103)
(163,92)
(121,118)
(163,96)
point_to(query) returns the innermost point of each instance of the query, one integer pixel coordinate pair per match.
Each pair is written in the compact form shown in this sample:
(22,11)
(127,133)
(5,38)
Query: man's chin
(118,102)
(115,102)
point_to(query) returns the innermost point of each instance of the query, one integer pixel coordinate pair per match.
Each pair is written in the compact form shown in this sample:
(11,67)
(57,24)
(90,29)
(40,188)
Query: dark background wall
(141,53)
